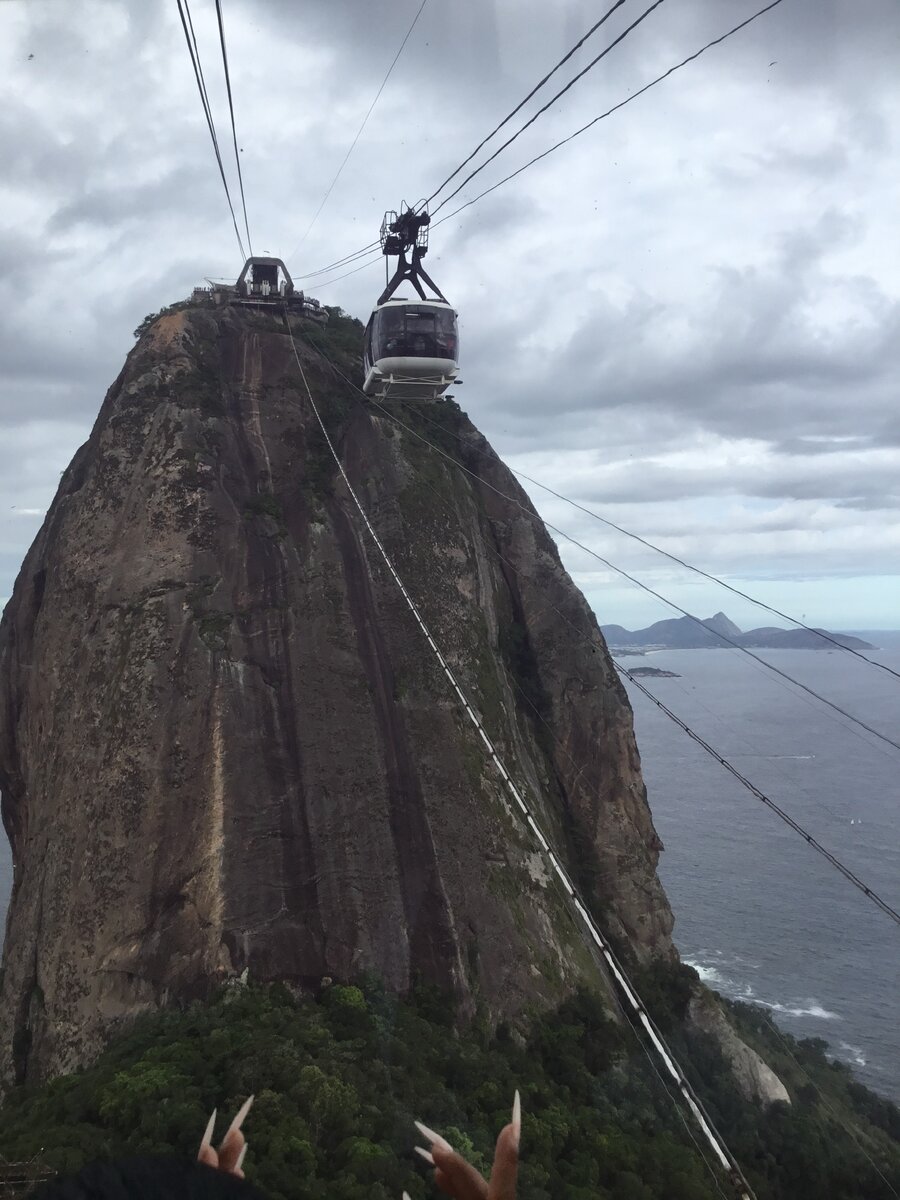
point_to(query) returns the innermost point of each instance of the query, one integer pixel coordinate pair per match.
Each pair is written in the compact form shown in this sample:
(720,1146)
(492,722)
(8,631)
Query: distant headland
(689,633)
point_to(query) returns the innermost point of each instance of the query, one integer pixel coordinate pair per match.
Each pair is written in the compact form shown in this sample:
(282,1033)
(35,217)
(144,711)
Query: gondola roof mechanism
(406,234)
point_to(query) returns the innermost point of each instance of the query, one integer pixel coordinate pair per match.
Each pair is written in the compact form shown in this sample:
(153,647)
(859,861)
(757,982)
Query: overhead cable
(760,795)
(237,157)
(193,51)
(586,638)
(659,79)
(827,637)
(342,262)
(538,157)
(509,116)
(647,588)
(327,282)
(706,574)
(723,1155)
(531,120)
(365,119)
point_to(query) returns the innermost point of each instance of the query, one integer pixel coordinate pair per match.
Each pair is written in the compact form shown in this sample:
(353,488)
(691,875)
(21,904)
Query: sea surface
(760,915)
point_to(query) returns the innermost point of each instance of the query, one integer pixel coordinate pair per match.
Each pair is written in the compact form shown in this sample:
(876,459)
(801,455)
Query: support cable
(723,1155)
(588,640)
(761,796)
(717,41)
(237,157)
(771,667)
(681,562)
(342,262)
(193,51)
(531,120)
(365,120)
(521,104)
(369,263)
(705,574)
(659,79)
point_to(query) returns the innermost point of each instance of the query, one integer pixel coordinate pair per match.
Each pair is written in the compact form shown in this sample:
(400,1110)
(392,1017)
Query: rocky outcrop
(756,1081)
(224,744)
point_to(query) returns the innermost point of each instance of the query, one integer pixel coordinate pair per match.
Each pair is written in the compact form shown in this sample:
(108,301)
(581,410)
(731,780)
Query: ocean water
(761,916)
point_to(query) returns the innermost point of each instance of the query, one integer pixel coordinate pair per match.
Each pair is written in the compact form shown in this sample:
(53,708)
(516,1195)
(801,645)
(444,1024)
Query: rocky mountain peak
(224,745)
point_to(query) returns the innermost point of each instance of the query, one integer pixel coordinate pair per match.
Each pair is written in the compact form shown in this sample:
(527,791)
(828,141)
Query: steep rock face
(224,743)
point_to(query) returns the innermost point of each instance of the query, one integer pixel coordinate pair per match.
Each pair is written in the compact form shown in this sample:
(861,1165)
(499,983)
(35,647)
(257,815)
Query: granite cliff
(223,744)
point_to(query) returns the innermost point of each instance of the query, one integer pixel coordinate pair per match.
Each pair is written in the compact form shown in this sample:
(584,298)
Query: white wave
(707,974)
(714,976)
(855,1053)
(813,1009)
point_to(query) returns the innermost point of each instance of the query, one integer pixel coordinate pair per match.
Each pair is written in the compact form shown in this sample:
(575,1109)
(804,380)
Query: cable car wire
(237,157)
(521,104)
(586,638)
(723,1154)
(705,574)
(531,120)
(365,120)
(538,157)
(193,51)
(531,162)
(327,282)
(691,567)
(699,571)
(639,583)
(342,262)
(760,795)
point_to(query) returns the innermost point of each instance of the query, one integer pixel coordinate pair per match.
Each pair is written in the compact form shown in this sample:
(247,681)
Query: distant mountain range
(685,633)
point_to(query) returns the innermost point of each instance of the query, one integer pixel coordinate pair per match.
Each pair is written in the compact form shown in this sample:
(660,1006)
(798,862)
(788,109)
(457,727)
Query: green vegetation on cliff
(339,1079)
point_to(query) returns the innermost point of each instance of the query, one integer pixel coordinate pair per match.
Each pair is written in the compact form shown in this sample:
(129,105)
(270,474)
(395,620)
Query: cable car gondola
(412,345)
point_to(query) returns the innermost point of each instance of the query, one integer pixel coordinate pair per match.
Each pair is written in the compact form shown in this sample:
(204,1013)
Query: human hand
(459,1179)
(233,1147)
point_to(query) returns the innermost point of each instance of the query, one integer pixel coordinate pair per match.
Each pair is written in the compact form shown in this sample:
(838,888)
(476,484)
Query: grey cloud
(123,202)
(758,365)
(766,324)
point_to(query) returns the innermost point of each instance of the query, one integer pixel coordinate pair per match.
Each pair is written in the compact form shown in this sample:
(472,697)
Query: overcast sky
(688,318)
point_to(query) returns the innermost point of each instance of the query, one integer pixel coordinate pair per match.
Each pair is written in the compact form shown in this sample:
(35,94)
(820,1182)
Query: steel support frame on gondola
(408,231)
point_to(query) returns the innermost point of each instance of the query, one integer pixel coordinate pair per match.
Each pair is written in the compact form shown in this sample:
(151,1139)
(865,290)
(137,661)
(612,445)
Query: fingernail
(517,1117)
(241,1156)
(242,1113)
(426,1154)
(207,1137)
(434,1138)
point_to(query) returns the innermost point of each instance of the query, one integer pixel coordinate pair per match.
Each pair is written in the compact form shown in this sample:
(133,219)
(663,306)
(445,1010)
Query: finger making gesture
(230,1155)
(459,1179)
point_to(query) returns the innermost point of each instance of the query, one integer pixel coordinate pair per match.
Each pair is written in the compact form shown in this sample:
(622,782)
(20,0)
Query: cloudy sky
(688,318)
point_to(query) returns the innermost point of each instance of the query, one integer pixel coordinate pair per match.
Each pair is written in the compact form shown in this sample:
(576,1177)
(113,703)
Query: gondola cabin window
(415,331)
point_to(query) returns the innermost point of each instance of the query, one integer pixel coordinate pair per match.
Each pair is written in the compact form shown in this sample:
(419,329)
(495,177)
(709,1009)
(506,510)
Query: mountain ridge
(688,633)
